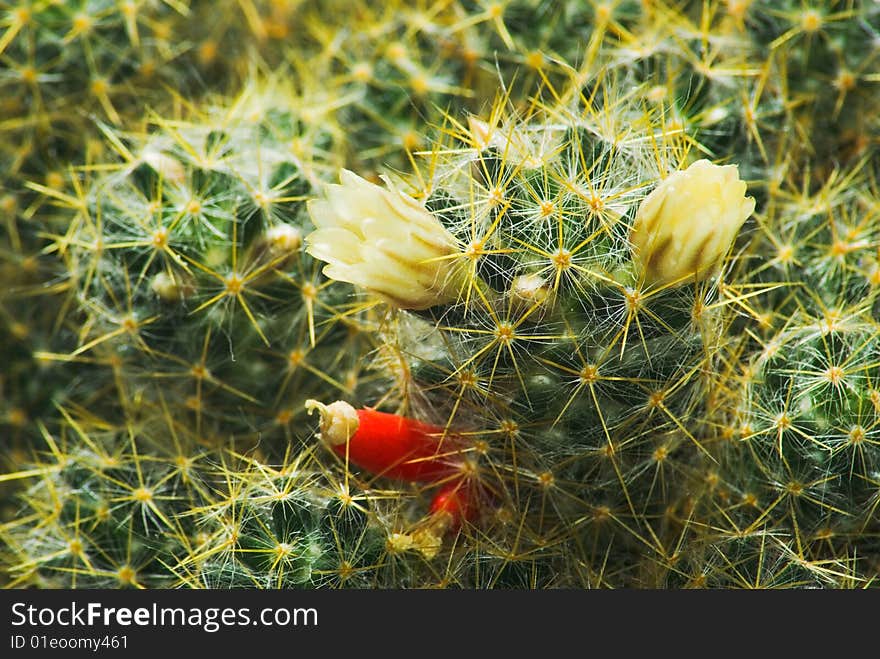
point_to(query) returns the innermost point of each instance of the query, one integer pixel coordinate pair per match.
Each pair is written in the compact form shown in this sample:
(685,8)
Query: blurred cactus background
(176,175)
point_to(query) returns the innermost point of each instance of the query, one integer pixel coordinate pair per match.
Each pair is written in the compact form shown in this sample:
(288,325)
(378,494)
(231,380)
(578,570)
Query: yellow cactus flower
(685,226)
(386,242)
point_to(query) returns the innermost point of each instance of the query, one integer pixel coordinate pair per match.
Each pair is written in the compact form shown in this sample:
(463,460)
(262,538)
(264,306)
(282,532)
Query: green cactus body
(187,264)
(574,377)
(126,511)
(165,313)
(804,404)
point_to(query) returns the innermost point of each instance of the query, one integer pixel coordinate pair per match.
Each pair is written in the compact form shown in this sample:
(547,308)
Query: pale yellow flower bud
(481,133)
(283,239)
(172,289)
(386,242)
(339,420)
(685,226)
(514,147)
(168,167)
(529,292)
(531,288)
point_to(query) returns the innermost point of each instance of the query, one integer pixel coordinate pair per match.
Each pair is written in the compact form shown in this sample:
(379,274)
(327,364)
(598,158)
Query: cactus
(800,399)
(573,368)
(185,258)
(113,506)
(595,389)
